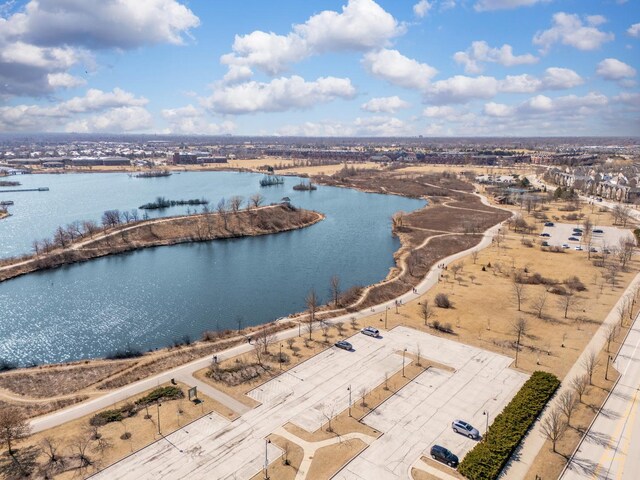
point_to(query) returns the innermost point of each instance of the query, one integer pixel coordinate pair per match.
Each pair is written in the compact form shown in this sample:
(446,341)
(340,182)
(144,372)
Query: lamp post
(403,352)
(386,312)
(299,328)
(486,425)
(349,388)
(158,405)
(280,357)
(266,458)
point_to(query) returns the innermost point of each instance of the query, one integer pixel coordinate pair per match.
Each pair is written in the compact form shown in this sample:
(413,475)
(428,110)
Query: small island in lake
(305,186)
(270,180)
(162,203)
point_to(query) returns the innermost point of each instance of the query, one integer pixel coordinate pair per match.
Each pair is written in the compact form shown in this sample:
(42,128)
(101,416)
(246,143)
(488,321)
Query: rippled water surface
(152,297)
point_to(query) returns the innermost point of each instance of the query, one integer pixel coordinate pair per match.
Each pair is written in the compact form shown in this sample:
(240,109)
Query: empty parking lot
(411,421)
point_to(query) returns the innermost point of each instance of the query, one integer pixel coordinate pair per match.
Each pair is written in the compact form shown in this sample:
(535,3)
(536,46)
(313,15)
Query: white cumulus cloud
(64,80)
(361,25)
(484,5)
(614,69)
(106,108)
(568,29)
(190,120)
(395,68)
(278,95)
(422,8)
(385,104)
(480,52)
(634,30)
(116,120)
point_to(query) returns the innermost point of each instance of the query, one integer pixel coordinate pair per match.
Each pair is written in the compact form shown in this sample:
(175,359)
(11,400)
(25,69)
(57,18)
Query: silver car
(463,428)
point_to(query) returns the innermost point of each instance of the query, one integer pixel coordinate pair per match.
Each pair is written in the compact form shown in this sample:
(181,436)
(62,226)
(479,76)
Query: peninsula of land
(126,237)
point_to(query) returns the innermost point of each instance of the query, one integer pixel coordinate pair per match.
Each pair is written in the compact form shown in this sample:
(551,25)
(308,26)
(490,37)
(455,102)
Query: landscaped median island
(78,245)
(489,457)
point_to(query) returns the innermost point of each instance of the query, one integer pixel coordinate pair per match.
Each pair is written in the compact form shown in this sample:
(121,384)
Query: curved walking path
(186,371)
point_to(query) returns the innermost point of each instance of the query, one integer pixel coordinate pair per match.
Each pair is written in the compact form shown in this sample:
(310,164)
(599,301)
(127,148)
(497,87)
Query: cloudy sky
(321,67)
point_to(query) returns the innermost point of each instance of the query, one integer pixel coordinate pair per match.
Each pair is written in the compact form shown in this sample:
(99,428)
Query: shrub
(574,283)
(489,457)
(160,393)
(558,290)
(123,354)
(105,417)
(442,301)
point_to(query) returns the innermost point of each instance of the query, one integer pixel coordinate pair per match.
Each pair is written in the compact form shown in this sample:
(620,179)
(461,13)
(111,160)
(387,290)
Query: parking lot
(560,233)
(411,421)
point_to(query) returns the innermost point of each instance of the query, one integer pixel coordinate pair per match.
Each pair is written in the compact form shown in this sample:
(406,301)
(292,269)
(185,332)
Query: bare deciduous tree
(539,303)
(256,200)
(334,285)
(590,362)
(265,338)
(580,384)
(235,203)
(611,331)
(13,427)
(312,305)
(223,211)
(567,302)
(553,427)
(519,328)
(426,311)
(474,255)
(568,402)
(518,291)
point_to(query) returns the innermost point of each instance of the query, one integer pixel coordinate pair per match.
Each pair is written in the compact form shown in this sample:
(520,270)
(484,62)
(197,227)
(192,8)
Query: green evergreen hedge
(488,458)
(160,394)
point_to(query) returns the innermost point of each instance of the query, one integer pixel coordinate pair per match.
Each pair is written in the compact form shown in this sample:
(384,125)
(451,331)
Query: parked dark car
(545,234)
(598,230)
(549,224)
(574,239)
(445,456)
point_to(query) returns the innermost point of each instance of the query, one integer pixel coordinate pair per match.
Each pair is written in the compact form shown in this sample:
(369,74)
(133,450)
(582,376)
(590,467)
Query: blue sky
(321,68)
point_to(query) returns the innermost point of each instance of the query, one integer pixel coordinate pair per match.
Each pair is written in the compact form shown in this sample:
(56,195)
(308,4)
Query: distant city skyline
(332,68)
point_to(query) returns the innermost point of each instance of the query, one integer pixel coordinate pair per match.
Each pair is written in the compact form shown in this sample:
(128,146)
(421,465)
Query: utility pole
(349,388)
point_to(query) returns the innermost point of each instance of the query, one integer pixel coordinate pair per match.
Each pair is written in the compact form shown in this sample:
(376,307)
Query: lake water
(150,298)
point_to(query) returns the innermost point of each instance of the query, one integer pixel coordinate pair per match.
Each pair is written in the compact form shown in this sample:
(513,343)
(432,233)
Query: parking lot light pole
(266,458)
(349,388)
(158,405)
(403,352)
(280,357)
(386,312)
(606,373)
(486,426)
